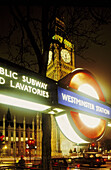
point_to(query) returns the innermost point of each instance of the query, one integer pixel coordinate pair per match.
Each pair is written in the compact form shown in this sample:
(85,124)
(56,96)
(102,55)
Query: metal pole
(30,153)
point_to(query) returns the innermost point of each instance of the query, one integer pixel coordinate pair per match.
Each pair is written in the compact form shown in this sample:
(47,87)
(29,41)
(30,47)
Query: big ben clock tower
(61,53)
(60,63)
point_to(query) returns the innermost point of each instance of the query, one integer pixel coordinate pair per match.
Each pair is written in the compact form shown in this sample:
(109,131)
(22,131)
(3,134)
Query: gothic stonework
(60,63)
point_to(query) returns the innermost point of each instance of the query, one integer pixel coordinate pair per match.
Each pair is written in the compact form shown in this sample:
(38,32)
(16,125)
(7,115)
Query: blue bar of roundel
(82,108)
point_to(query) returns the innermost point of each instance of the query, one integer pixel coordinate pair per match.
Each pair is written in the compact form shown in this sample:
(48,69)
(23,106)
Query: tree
(84,26)
(30,34)
(30,31)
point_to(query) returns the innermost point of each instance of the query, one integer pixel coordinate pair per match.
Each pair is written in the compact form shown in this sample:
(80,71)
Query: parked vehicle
(59,163)
(64,163)
(90,159)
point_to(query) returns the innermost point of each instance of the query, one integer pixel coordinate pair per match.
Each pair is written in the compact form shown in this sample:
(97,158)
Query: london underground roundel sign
(87,127)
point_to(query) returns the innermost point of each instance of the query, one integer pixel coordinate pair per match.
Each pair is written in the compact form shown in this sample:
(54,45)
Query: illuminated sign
(87,111)
(32,86)
(21,83)
(81,103)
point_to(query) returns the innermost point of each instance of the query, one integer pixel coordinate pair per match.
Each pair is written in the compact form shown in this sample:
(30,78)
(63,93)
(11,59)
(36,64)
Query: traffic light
(1,138)
(27,150)
(93,147)
(31,143)
(1,141)
(93,144)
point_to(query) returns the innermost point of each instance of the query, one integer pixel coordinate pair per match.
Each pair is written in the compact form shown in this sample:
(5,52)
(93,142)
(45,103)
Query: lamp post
(31,144)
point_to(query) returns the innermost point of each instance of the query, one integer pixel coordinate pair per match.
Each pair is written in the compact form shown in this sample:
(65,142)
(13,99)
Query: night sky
(101,67)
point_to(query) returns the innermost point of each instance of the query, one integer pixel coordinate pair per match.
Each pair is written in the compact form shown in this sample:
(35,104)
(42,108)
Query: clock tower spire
(61,53)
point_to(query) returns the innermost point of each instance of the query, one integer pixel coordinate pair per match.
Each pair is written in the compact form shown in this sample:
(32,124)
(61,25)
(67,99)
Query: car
(56,163)
(91,159)
(64,163)
(59,162)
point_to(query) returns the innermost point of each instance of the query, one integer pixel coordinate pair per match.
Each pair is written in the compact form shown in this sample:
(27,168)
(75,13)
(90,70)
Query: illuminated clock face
(65,56)
(50,57)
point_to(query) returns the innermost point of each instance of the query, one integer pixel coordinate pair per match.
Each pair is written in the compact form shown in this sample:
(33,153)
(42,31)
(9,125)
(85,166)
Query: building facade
(17,134)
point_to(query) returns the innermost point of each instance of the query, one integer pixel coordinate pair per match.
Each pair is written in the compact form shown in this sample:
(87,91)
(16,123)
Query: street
(107,166)
(10,166)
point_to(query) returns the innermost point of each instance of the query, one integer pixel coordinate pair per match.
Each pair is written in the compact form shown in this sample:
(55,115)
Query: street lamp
(5,147)
(109,124)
